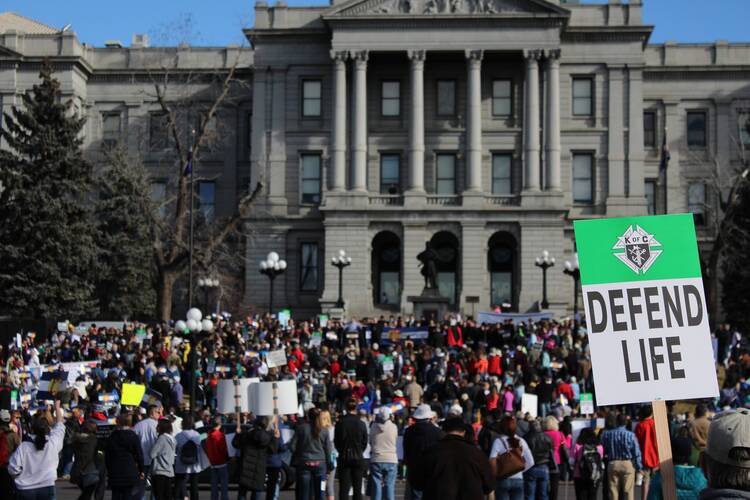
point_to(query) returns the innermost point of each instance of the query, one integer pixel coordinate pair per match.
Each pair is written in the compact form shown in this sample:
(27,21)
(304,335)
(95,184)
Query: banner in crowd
(645,309)
(415,334)
(265,400)
(276,358)
(226,395)
(492,318)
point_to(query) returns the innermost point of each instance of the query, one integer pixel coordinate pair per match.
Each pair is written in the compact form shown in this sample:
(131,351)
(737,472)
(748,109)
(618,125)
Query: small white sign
(529,404)
(276,358)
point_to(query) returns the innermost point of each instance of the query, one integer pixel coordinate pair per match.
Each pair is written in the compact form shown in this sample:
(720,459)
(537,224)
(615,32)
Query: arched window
(446,246)
(386,269)
(501,260)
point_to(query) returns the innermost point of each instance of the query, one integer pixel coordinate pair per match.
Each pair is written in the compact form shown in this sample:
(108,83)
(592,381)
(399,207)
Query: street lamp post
(195,325)
(572,270)
(341,261)
(272,267)
(545,262)
(207,285)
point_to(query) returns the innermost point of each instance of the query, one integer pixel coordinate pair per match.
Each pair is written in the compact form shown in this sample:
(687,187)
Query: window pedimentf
(500,8)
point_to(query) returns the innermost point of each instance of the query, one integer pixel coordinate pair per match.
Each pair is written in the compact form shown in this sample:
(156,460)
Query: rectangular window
(649,129)
(583,93)
(311,98)
(207,199)
(697,202)
(501,174)
(159,196)
(583,178)
(743,123)
(308,267)
(502,97)
(158,131)
(446,174)
(311,172)
(111,129)
(390,174)
(391,98)
(650,188)
(696,129)
(446,97)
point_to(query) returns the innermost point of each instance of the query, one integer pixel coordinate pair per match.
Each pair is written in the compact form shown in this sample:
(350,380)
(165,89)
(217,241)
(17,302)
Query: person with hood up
(383,457)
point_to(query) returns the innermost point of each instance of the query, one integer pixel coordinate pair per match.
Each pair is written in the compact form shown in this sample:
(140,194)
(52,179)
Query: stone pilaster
(359,119)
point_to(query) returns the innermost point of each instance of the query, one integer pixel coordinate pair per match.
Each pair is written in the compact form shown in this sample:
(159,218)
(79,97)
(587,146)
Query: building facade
(482,126)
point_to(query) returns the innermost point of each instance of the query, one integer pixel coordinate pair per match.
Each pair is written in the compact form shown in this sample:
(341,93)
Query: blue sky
(219,22)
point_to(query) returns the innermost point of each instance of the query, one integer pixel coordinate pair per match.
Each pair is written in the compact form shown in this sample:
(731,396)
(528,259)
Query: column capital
(532,55)
(417,55)
(474,55)
(553,55)
(359,56)
(339,56)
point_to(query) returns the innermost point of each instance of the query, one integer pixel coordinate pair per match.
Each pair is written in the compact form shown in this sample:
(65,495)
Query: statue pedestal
(430,304)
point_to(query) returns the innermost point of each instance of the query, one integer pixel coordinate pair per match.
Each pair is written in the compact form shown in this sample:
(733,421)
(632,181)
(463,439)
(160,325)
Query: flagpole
(192,204)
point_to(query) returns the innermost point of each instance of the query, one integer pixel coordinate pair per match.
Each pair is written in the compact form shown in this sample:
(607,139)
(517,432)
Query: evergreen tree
(47,246)
(125,287)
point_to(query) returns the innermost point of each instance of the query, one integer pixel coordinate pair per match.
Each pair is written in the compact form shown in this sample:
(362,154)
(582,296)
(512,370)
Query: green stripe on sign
(648,248)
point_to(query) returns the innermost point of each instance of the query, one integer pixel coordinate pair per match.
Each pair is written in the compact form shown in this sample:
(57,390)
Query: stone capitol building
(485,127)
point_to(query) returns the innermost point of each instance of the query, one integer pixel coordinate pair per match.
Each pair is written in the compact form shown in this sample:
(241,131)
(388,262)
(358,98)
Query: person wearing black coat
(453,468)
(417,438)
(536,479)
(350,440)
(255,445)
(124,460)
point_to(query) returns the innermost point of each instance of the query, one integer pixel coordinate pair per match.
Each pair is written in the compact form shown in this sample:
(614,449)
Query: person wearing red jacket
(455,337)
(645,432)
(495,363)
(218,456)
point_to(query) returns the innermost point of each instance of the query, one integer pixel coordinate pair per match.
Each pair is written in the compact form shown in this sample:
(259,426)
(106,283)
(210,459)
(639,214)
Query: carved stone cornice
(474,55)
(359,57)
(339,56)
(533,55)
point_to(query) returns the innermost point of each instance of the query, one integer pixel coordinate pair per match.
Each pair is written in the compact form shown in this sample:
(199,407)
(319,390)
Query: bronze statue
(428,262)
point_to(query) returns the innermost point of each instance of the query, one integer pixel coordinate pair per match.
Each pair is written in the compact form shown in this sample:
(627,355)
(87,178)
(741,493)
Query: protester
(559,453)
(418,437)
(9,441)
(187,464)
(453,468)
(623,455)
(311,449)
(536,478)
(218,457)
(588,465)
(350,439)
(254,446)
(645,431)
(85,471)
(326,424)
(727,457)
(689,480)
(162,461)
(511,488)
(34,464)
(147,434)
(123,457)
(383,459)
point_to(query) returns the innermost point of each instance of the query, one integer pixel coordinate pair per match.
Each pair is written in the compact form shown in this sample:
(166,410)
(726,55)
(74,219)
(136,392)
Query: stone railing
(502,200)
(389,200)
(444,200)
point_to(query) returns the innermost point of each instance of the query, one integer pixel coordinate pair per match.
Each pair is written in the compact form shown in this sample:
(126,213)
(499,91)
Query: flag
(665,156)
(50,383)
(189,165)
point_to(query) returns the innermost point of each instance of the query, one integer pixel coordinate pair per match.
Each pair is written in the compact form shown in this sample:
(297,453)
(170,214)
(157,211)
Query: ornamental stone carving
(442,7)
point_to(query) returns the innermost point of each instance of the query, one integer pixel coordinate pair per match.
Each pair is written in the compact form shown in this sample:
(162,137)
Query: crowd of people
(443,409)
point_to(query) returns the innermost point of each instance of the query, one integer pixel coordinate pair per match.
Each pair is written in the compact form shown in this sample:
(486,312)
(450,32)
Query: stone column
(636,180)
(338,136)
(416,132)
(474,121)
(552,127)
(616,149)
(531,121)
(359,119)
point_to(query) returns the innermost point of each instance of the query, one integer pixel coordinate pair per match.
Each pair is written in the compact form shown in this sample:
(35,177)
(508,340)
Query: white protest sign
(529,404)
(226,392)
(276,358)
(264,398)
(587,403)
(645,309)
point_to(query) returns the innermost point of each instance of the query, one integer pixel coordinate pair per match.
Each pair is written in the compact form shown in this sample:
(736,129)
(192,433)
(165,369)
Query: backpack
(189,453)
(591,464)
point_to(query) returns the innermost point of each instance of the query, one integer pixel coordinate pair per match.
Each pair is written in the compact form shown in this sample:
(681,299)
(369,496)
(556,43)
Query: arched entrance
(447,247)
(386,269)
(502,264)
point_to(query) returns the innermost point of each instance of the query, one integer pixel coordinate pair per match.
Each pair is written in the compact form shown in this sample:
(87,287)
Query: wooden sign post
(664,446)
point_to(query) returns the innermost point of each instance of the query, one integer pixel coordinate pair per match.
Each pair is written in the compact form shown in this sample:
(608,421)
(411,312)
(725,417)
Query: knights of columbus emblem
(637,249)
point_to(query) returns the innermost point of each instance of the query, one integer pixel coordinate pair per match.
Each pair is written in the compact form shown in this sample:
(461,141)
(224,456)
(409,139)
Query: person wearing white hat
(383,457)
(417,438)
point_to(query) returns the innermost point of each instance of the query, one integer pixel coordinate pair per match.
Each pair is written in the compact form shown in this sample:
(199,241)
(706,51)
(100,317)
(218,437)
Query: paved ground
(66,491)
